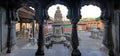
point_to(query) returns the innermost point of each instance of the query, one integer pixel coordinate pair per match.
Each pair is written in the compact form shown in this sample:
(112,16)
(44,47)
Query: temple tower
(57,25)
(58,36)
(58,16)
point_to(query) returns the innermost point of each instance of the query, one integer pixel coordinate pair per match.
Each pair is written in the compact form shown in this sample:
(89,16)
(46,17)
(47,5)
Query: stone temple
(57,25)
(58,36)
(58,16)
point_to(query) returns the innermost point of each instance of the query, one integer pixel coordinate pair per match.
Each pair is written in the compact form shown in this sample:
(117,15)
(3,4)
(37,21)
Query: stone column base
(39,53)
(75,52)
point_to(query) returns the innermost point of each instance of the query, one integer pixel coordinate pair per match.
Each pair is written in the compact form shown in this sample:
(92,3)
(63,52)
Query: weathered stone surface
(57,25)
(115,30)
(3,29)
(88,47)
(0,30)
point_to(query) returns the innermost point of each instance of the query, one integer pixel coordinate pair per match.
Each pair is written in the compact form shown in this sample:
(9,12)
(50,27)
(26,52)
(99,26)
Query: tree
(97,19)
(51,19)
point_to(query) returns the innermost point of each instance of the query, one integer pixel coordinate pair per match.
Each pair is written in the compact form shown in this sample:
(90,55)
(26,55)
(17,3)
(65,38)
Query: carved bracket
(74,15)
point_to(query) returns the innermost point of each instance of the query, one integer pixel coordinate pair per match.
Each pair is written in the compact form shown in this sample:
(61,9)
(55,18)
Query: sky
(87,11)
(90,11)
(64,11)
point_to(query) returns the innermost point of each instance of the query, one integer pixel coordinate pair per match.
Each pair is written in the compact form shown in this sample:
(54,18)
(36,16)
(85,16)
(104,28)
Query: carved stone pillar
(107,16)
(115,31)
(11,22)
(75,42)
(9,38)
(13,33)
(11,19)
(40,50)
(108,38)
(20,25)
(74,16)
(40,16)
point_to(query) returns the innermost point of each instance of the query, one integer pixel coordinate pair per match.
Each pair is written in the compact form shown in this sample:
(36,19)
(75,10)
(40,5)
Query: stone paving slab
(56,50)
(87,47)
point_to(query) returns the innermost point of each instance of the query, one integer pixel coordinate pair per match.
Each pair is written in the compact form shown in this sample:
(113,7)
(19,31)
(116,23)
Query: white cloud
(86,11)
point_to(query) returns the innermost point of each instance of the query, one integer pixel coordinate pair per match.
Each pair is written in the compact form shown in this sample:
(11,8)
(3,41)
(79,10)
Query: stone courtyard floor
(87,46)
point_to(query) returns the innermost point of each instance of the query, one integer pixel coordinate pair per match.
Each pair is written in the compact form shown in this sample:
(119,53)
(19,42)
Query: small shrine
(58,23)
(57,36)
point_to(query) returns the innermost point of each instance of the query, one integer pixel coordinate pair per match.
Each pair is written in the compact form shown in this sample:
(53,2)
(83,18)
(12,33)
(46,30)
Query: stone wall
(3,29)
(115,31)
(0,29)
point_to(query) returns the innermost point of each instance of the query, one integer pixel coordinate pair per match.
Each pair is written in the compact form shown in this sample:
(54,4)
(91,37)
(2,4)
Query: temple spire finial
(58,15)
(58,7)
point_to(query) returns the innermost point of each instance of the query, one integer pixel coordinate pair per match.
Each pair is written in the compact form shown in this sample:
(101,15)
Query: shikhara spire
(58,15)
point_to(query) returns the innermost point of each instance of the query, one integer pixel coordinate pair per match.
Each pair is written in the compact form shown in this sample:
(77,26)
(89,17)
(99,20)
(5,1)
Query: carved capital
(74,14)
(40,15)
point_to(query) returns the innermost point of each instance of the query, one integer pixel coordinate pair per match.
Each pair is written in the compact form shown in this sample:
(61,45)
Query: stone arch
(95,3)
(100,4)
(55,3)
(106,16)
(104,7)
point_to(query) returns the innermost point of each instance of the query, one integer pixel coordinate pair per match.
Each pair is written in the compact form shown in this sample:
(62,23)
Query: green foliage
(97,19)
(91,19)
(51,19)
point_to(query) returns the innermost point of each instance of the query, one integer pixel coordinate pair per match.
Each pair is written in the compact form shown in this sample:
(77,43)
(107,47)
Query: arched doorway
(58,26)
(106,19)
(93,34)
